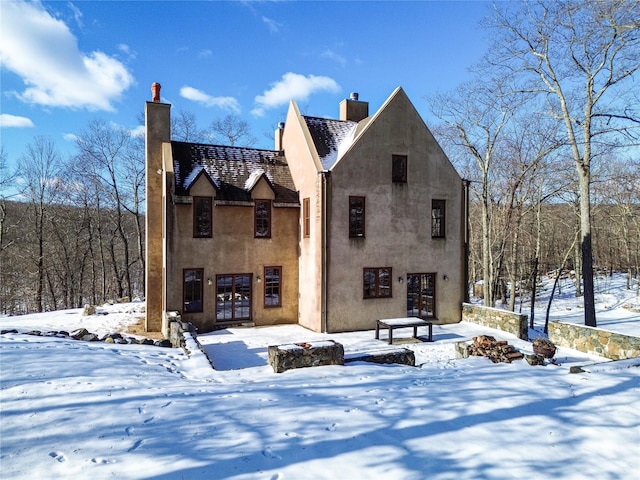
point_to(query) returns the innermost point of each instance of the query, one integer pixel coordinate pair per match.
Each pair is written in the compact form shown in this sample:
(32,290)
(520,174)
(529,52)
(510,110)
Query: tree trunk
(587,249)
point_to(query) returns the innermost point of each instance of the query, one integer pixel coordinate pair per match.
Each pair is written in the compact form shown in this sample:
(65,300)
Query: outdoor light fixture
(445,278)
(258,278)
(209,281)
(400,279)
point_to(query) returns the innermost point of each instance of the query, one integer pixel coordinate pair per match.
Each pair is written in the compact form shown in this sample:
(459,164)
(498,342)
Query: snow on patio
(76,410)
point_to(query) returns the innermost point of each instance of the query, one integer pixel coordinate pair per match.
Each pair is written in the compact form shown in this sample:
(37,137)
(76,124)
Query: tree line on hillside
(72,229)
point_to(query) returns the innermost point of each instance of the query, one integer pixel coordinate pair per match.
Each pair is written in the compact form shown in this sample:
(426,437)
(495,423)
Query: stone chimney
(157,132)
(353,109)
(278,135)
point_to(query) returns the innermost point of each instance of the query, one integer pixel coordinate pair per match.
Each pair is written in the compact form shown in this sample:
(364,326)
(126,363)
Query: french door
(233,297)
(421,295)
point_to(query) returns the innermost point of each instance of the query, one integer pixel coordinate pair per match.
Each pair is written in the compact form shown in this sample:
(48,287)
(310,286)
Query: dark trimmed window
(272,287)
(262,218)
(377,282)
(202,217)
(438,218)
(356,217)
(306,217)
(192,289)
(399,168)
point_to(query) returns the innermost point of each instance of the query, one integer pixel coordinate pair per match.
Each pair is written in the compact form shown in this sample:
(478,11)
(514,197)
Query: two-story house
(346,221)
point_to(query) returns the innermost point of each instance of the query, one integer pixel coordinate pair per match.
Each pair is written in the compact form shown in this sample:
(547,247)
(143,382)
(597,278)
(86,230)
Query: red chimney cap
(155,92)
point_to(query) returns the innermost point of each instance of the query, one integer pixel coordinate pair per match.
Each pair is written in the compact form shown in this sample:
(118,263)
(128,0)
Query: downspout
(466,239)
(325,251)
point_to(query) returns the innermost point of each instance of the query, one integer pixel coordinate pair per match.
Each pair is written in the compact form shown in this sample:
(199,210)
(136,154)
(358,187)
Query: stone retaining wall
(614,346)
(184,335)
(505,320)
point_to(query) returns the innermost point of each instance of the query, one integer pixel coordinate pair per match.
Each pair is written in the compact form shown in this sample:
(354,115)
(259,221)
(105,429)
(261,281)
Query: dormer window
(262,217)
(202,217)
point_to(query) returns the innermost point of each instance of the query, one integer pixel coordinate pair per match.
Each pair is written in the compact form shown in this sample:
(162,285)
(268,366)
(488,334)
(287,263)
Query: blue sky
(66,62)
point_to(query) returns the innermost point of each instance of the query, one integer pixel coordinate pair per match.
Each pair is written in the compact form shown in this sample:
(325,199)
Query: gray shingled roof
(331,138)
(232,170)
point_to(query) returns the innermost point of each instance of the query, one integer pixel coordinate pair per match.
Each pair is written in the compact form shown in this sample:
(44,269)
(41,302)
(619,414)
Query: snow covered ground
(76,410)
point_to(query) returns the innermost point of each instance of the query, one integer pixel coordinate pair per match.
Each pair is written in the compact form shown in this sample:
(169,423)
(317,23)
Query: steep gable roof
(331,138)
(232,170)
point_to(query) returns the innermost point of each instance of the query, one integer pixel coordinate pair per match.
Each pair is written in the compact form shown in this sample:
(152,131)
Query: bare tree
(104,156)
(474,117)
(232,129)
(582,56)
(7,178)
(184,127)
(40,170)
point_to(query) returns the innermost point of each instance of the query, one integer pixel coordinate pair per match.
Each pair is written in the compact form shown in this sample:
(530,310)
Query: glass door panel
(421,295)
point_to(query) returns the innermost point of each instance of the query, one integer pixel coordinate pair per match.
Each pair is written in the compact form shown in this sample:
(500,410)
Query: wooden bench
(393,323)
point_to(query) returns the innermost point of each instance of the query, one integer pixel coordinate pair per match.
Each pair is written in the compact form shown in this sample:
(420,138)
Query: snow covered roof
(331,138)
(233,170)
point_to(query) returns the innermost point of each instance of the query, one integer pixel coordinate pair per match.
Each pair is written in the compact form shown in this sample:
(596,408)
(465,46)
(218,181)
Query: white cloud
(224,103)
(205,53)
(334,57)
(8,121)
(138,131)
(292,86)
(77,14)
(274,27)
(126,49)
(70,137)
(44,53)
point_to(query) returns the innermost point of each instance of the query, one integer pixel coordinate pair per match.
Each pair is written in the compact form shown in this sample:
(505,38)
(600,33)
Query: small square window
(356,217)
(399,168)
(376,282)
(438,218)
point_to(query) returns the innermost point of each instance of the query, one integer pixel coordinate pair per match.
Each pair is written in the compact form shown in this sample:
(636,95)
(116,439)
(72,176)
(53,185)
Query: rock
(78,334)
(402,356)
(146,341)
(89,310)
(534,359)
(298,355)
(4,332)
(37,333)
(90,337)
(109,340)
(165,342)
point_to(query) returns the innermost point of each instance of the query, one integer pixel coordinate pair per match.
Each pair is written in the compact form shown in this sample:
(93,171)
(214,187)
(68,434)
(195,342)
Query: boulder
(299,355)
(78,334)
